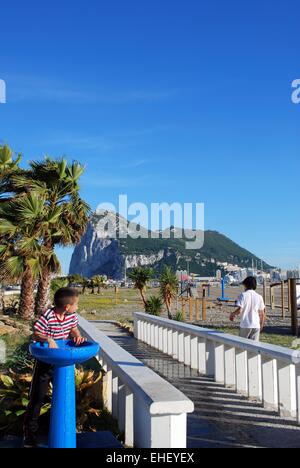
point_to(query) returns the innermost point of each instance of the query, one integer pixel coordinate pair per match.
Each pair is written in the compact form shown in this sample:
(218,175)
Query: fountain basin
(66,354)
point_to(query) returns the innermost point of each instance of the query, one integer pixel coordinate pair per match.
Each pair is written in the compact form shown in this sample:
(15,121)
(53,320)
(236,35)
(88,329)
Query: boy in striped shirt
(58,323)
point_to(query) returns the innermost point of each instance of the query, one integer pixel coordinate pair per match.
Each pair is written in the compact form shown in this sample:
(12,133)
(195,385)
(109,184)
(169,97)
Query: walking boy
(58,323)
(251,306)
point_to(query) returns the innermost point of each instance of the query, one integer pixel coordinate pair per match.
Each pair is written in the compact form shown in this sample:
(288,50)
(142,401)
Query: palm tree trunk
(43,292)
(27,295)
(143,297)
(168,304)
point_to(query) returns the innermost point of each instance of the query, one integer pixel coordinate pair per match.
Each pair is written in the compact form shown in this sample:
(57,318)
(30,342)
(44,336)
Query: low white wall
(267,373)
(150,411)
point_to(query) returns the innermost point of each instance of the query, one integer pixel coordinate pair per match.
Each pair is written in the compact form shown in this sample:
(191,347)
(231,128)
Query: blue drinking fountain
(63,409)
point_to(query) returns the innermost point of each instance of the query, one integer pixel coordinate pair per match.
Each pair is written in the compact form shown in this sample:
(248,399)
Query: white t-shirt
(251,303)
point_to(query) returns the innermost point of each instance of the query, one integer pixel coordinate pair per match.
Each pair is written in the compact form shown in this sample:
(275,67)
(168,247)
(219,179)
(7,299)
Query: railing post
(136,327)
(160,338)
(202,356)
(181,346)
(141,334)
(152,333)
(107,390)
(241,363)
(230,380)
(194,352)
(287,389)
(210,358)
(219,363)
(129,429)
(254,376)
(148,333)
(156,336)
(269,383)
(115,391)
(121,407)
(165,340)
(187,350)
(170,342)
(175,344)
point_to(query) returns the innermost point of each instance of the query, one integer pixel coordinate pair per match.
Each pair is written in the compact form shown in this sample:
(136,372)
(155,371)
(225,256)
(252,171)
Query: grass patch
(109,306)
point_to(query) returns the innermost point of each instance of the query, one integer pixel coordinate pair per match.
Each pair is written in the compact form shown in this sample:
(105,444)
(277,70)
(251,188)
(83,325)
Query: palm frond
(7,227)
(35,266)
(12,268)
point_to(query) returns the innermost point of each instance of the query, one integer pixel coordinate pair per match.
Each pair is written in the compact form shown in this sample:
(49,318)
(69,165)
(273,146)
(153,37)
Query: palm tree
(168,288)
(99,282)
(140,277)
(92,285)
(57,182)
(85,284)
(20,249)
(74,279)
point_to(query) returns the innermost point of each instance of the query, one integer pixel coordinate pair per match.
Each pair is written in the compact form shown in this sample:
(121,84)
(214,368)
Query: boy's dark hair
(250,283)
(65,296)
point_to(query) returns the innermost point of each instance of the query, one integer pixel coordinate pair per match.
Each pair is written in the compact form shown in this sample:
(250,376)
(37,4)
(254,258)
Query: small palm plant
(168,288)
(154,306)
(140,277)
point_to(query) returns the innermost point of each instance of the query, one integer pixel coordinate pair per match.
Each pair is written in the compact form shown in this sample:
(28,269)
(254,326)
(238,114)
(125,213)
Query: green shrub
(154,305)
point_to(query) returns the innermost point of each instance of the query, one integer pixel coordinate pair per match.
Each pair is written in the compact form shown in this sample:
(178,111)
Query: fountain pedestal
(62,432)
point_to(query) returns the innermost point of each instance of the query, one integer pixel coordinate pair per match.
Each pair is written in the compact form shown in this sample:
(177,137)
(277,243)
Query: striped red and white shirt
(51,326)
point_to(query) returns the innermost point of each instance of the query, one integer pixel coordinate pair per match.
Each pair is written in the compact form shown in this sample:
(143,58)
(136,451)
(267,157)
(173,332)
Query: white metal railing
(267,373)
(149,410)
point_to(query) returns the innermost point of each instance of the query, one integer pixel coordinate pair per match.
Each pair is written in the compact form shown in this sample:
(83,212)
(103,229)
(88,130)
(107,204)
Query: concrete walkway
(222,419)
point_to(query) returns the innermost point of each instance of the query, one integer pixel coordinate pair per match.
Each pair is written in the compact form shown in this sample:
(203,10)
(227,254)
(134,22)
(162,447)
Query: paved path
(221,419)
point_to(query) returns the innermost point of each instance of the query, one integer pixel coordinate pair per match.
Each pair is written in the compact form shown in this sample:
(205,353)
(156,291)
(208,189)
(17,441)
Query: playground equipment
(62,432)
(223,298)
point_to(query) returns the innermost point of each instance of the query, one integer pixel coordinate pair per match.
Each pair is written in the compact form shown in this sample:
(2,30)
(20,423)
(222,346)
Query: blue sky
(165,101)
